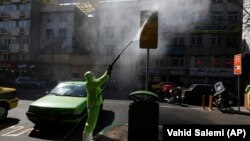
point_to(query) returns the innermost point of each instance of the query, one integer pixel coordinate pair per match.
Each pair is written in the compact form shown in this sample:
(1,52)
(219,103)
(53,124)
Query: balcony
(4,48)
(15,31)
(4,15)
(25,14)
(25,31)
(15,15)
(56,41)
(5,1)
(24,48)
(14,48)
(15,1)
(3,31)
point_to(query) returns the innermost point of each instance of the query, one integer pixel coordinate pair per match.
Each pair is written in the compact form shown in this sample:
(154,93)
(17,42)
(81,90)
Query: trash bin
(143,118)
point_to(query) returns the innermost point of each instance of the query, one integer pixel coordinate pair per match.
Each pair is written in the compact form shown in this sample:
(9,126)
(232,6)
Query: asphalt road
(17,127)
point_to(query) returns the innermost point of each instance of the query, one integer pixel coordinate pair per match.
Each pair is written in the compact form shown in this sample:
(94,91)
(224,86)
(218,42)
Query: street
(17,127)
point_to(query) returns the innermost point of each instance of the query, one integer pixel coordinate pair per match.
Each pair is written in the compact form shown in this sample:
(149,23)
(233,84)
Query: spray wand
(120,54)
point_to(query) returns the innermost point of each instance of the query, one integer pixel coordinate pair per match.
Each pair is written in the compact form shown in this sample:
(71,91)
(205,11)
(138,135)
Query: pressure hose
(104,88)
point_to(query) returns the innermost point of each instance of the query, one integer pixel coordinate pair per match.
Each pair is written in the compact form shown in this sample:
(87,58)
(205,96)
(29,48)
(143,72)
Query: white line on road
(16,129)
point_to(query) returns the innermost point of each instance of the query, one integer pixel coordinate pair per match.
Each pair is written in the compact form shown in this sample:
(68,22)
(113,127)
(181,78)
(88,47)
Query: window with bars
(50,34)
(217,17)
(233,17)
(63,33)
(216,40)
(196,40)
(178,61)
(179,41)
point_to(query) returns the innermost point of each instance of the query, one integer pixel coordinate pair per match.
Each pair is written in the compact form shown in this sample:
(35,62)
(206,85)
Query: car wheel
(3,112)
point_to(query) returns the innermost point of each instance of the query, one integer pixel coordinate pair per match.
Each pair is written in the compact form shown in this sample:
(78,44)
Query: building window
(24,40)
(24,24)
(216,17)
(7,41)
(216,40)
(216,1)
(179,41)
(10,7)
(25,7)
(50,18)
(178,61)
(196,40)
(233,17)
(49,34)
(231,1)
(63,33)
(63,18)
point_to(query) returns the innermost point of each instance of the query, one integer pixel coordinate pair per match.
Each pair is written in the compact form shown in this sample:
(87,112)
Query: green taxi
(65,103)
(8,101)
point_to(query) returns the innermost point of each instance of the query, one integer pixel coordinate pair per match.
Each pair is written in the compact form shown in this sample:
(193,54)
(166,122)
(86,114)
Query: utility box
(143,120)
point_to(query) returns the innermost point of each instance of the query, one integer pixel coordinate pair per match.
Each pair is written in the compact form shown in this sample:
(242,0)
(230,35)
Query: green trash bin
(143,120)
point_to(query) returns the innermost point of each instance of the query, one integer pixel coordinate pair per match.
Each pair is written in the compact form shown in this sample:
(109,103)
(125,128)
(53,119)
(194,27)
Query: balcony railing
(56,41)
(4,15)
(3,31)
(15,1)
(15,31)
(24,31)
(14,48)
(4,48)
(15,14)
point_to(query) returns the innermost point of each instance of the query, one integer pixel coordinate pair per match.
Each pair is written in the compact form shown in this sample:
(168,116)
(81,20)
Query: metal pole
(238,92)
(147,66)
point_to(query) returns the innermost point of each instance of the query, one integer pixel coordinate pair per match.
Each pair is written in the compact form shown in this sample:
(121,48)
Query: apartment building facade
(205,54)
(18,21)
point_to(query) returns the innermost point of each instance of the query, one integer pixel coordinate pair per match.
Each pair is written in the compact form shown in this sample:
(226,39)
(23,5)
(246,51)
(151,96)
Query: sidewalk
(234,110)
(120,133)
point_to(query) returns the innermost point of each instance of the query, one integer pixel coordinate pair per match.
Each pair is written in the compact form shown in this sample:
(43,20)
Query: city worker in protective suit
(94,100)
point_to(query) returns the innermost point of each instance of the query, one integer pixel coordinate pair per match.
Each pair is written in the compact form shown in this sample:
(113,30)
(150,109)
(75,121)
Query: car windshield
(191,86)
(77,90)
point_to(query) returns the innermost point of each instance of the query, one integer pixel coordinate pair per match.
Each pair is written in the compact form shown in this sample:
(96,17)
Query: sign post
(238,72)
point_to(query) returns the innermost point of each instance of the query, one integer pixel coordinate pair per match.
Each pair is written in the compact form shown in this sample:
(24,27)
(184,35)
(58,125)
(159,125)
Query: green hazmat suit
(93,88)
(247,90)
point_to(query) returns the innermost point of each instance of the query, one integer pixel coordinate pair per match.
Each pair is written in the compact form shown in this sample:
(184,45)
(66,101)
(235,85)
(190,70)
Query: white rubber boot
(87,136)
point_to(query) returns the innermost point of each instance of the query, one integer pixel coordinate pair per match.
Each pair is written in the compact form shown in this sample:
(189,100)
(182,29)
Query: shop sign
(212,72)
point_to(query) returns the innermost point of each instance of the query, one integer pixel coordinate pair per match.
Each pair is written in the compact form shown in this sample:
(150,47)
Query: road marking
(117,102)
(16,130)
(195,108)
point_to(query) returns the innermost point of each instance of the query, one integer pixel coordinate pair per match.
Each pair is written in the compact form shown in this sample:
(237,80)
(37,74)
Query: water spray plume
(138,34)
(136,38)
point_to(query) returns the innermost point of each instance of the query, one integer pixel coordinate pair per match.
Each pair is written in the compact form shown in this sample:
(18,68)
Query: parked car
(162,87)
(193,94)
(65,103)
(29,82)
(8,101)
